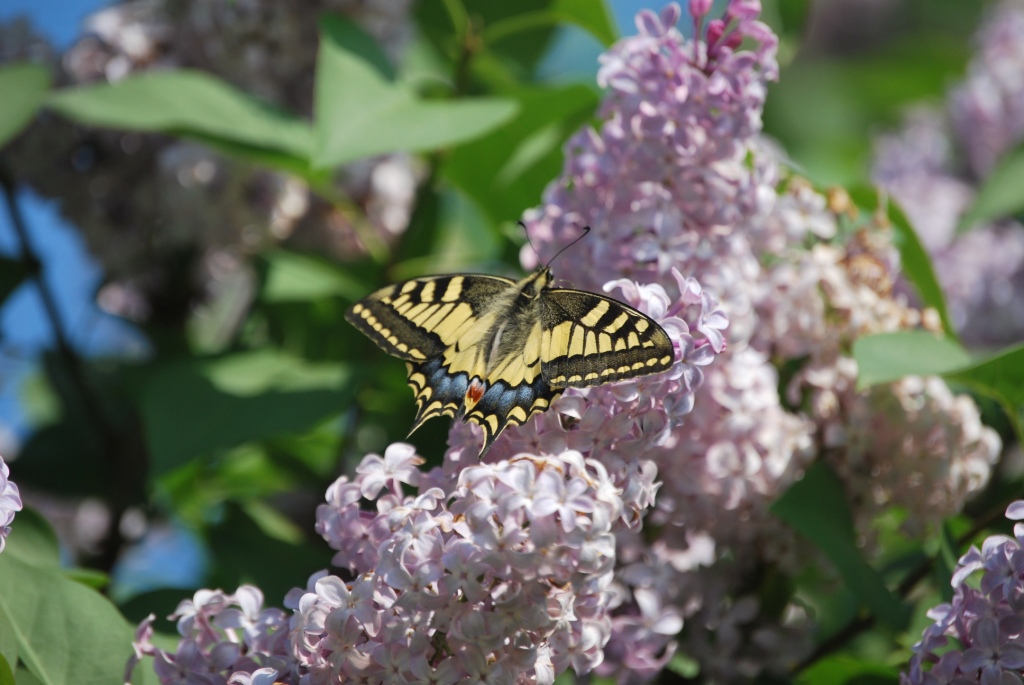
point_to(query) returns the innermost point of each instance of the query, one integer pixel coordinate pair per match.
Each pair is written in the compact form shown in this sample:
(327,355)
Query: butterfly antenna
(586,230)
(527,234)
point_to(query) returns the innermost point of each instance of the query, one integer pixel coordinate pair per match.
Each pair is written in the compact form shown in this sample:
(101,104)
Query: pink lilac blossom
(10,502)
(541,545)
(675,179)
(985,619)
(934,165)
(225,638)
(499,572)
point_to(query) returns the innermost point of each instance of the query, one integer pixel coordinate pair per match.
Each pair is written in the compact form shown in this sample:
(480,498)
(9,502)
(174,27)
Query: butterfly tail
(438,392)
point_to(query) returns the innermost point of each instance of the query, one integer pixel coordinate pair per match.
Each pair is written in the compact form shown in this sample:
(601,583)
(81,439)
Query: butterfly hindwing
(439,392)
(516,388)
(590,339)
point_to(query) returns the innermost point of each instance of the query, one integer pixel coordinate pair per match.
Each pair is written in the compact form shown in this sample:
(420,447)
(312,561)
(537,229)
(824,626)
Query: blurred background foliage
(240,192)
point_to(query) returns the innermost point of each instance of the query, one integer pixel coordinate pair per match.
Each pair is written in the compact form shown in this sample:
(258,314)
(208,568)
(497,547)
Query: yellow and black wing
(437,324)
(499,351)
(567,338)
(589,339)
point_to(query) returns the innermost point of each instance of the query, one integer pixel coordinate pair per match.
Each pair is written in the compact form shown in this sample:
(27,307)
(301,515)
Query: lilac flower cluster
(985,619)
(226,639)
(500,574)
(533,562)
(676,180)
(146,204)
(10,503)
(934,165)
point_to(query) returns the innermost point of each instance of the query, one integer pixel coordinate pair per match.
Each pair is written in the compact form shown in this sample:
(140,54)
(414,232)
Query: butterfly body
(496,351)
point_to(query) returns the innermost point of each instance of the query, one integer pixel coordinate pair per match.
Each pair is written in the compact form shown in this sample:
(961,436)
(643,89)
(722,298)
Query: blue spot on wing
(447,388)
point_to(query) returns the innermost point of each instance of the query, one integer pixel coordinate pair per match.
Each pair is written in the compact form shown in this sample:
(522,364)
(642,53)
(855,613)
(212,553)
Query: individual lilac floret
(985,618)
(10,503)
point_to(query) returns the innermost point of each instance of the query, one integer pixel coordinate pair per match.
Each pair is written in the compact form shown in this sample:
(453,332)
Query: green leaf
(1000,194)
(1002,374)
(590,15)
(853,95)
(684,665)
(188,103)
(66,634)
(238,545)
(292,276)
(843,668)
(6,676)
(12,273)
(817,508)
(33,541)
(193,407)
(360,112)
(1001,377)
(508,169)
(891,356)
(914,259)
(23,89)
(97,580)
(273,524)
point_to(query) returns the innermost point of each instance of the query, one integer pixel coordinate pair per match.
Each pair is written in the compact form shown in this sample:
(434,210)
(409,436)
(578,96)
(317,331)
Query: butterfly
(496,351)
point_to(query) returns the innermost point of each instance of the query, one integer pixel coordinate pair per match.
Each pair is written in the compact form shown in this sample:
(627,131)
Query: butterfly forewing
(590,339)
(419,319)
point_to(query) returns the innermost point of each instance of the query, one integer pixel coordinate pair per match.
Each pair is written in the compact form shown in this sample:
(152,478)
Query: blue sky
(70,274)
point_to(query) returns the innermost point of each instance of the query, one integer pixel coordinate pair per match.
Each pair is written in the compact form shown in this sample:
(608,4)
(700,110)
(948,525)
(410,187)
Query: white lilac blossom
(10,503)
(934,165)
(985,619)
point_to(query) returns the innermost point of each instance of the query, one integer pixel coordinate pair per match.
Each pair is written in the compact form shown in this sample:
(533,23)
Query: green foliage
(62,631)
(890,356)
(850,670)
(1001,377)
(361,112)
(186,103)
(23,89)
(887,357)
(823,110)
(816,507)
(6,677)
(1000,195)
(294,277)
(509,168)
(592,17)
(190,408)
